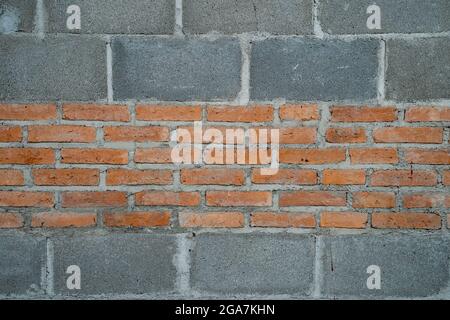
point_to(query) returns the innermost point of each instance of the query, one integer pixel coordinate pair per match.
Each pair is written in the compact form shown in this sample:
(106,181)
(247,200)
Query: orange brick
(286,176)
(363,114)
(239,198)
(93,156)
(213,176)
(344,177)
(11,177)
(63,220)
(26,199)
(289,135)
(446,177)
(312,156)
(417,114)
(27,156)
(312,198)
(153,155)
(168,113)
(348,220)
(346,135)
(240,114)
(96,112)
(138,177)
(283,220)
(61,133)
(10,134)
(408,135)
(27,112)
(168,198)
(402,178)
(137,219)
(373,200)
(94,199)
(299,112)
(211,220)
(11,220)
(66,177)
(136,134)
(424,156)
(373,156)
(407,220)
(423,200)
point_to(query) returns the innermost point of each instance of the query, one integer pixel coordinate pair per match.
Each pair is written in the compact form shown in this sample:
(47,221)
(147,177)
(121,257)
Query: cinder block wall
(86,176)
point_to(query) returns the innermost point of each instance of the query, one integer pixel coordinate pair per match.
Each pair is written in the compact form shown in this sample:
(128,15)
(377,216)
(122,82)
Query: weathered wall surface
(87,179)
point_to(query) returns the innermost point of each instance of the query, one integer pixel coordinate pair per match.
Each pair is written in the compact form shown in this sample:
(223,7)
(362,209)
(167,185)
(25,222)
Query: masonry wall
(86,176)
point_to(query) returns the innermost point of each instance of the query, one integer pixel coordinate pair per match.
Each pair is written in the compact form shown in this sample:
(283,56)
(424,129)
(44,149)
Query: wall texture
(86,176)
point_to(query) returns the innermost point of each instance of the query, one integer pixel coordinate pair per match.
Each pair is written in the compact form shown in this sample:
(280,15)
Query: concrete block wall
(86,117)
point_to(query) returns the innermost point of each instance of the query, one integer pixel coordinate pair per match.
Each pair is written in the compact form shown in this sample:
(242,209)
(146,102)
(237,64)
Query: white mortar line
(316,22)
(49,270)
(381,72)
(318,277)
(109,70)
(40,18)
(178,31)
(243,97)
(182,262)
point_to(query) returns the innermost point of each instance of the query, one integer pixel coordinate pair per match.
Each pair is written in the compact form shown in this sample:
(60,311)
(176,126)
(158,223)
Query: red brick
(137,219)
(283,220)
(168,198)
(63,220)
(153,155)
(403,178)
(344,177)
(138,177)
(66,177)
(27,112)
(312,198)
(239,198)
(213,176)
(136,134)
(286,176)
(94,199)
(348,220)
(299,112)
(168,113)
(211,220)
(11,220)
(96,112)
(61,133)
(28,156)
(408,135)
(423,200)
(11,177)
(10,134)
(346,135)
(240,114)
(446,177)
(407,220)
(363,114)
(373,200)
(312,156)
(289,135)
(425,156)
(26,199)
(417,114)
(373,156)
(93,156)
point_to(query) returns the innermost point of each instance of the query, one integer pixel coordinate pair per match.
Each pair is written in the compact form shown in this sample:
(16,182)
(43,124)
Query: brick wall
(87,116)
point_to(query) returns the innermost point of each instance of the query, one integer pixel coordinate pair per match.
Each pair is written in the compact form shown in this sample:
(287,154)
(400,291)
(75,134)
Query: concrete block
(16,16)
(311,69)
(176,69)
(253,264)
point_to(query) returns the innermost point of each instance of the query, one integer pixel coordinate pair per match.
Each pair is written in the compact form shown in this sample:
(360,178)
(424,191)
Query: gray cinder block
(231,16)
(176,69)
(16,16)
(116,264)
(253,264)
(64,67)
(310,69)
(114,16)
